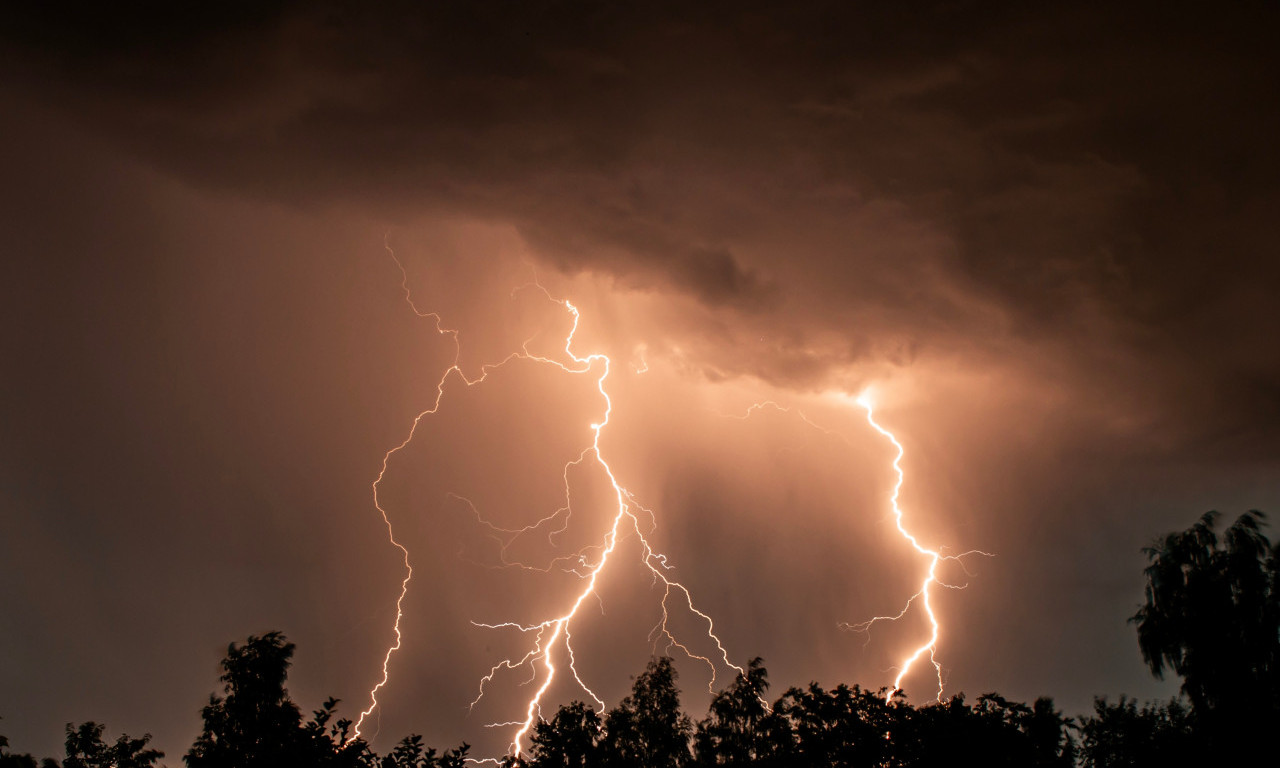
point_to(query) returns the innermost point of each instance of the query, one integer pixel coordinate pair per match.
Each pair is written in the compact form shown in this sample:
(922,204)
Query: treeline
(255,724)
(850,727)
(1211,616)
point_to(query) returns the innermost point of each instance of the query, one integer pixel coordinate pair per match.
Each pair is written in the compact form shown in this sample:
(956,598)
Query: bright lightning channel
(931,574)
(865,402)
(551,633)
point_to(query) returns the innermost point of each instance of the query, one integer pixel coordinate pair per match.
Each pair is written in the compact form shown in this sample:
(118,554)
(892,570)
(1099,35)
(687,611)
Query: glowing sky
(1045,237)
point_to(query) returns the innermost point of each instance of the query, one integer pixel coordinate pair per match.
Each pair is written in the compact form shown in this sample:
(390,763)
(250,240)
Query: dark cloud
(1035,138)
(1085,170)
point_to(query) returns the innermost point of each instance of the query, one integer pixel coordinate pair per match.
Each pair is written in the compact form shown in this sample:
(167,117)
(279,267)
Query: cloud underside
(1085,195)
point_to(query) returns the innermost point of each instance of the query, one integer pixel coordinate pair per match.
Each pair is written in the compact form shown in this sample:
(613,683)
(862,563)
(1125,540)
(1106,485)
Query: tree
(332,744)
(1050,734)
(992,732)
(846,727)
(1156,736)
(256,724)
(86,749)
(13,760)
(740,728)
(570,740)
(1212,615)
(410,753)
(647,729)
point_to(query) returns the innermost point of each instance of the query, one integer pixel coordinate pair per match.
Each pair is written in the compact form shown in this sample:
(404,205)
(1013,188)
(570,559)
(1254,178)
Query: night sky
(1044,236)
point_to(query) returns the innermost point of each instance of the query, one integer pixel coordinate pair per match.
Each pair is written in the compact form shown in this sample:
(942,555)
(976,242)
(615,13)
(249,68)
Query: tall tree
(256,725)
(1212,615)
(647,729)
(740,728)
(570,740)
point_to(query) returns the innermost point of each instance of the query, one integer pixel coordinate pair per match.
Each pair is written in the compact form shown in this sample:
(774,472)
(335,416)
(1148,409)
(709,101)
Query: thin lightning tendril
(454,369)
(551,633)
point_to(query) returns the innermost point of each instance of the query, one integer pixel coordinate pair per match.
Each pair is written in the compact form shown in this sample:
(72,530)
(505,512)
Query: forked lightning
(552,633)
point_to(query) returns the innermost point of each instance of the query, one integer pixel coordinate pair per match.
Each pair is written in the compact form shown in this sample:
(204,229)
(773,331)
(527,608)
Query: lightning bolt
(935,557)
(931,574)
(386,458)
(552,633)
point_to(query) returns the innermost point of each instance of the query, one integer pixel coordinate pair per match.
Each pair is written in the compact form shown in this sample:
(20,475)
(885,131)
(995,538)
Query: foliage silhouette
(647,729)
(740,727)
(11,759)
(1121,735)
(86,749)
(847,726)
(410,753)
(1212,616)
(257,725)
(570,740)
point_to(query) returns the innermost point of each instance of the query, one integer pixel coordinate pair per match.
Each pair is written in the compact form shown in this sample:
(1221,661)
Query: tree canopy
(1212,616)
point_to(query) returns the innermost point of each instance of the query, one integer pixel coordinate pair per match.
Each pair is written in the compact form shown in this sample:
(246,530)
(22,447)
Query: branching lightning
(553,635)
(931,574)
(588,564)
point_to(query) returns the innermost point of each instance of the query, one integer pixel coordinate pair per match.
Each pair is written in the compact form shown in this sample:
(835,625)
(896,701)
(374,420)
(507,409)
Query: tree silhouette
(1212,615)
(256,723)
(740,728)
(1121,735)
(647,729)
(13,760)
(1020,735)
(570,740)
(847,726)
(410,753)
(1050,734)
(86,749)
(330,742)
